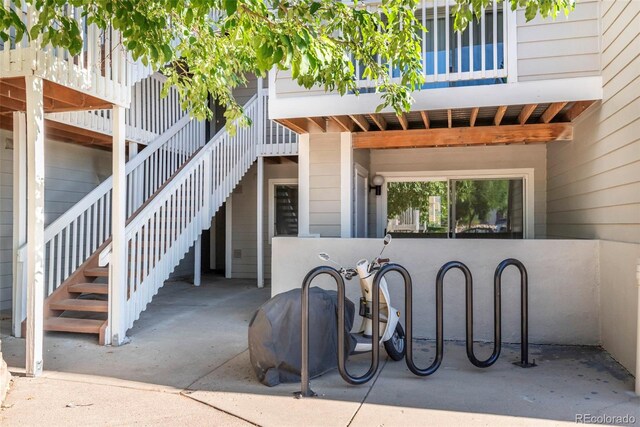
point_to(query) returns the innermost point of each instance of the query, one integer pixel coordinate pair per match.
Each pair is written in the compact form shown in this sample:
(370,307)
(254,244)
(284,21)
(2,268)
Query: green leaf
(230,6)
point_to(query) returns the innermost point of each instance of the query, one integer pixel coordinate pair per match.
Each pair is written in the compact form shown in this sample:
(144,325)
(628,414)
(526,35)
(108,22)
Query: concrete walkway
(187,364)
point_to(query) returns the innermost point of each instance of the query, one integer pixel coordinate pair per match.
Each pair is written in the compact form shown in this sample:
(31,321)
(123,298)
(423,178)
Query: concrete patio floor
(187,363)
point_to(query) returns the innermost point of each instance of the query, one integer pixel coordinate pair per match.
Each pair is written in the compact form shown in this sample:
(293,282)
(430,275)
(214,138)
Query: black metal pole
(408,318)
(305,385)
(375,339)
(524,306)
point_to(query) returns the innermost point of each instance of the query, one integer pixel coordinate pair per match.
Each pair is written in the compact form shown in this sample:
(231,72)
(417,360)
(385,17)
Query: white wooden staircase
(174,187)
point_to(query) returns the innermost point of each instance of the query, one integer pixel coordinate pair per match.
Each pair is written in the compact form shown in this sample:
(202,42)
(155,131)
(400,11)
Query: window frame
(526,174)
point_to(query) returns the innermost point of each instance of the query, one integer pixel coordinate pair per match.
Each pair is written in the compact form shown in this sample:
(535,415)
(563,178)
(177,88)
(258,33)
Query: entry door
(361,188)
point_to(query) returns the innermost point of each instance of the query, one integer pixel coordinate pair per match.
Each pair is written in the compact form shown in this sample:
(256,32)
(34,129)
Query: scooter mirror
(324,256)
(387,239)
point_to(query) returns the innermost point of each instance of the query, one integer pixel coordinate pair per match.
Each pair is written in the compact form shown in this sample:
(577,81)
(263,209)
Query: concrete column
(35,225)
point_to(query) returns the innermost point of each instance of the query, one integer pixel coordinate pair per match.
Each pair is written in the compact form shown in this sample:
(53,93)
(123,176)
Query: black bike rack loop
(408,318)
(342,357)
(497,310)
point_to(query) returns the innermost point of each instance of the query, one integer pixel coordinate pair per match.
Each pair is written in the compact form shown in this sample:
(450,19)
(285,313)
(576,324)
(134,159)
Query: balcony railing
(103,66)
(476,56)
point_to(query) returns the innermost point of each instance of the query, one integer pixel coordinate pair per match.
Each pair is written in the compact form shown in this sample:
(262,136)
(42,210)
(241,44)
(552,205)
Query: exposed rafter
(577,108)
(552,111)
(345,123)
(473,116)
(499,115)
(403,121)
(525,113)
(361,121)
(296,125)
(319,122)
(425,119)
(379,120)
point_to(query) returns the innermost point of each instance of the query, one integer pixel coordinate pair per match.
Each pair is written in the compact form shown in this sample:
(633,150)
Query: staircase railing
(103,59)
(278,140)
(160,234)
(148,116)
(74,236)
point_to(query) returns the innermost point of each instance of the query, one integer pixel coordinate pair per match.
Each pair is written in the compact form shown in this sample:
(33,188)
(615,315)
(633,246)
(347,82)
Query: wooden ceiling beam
(379,120)
(319,122)
(425,119)
(526,112)
(361,121)
(461,136)
(551,111)
(403,121)
(345,123)
(296,125)
(499,115)
(473,116)
(576,109)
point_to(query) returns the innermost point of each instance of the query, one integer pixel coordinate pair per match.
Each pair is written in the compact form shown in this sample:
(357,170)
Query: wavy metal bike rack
(408,318)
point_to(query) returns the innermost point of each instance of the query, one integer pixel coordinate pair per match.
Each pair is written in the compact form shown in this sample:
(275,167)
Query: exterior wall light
(377,184)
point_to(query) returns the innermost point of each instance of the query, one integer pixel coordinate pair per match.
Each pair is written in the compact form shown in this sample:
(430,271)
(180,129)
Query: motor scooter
(392,333)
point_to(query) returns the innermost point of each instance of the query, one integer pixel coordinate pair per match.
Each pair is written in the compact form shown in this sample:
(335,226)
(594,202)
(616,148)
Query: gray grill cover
(275,337)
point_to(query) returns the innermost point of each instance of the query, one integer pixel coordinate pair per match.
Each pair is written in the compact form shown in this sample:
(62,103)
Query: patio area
(187,362)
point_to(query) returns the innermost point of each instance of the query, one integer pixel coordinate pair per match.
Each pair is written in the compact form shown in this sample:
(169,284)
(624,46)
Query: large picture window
(456,208)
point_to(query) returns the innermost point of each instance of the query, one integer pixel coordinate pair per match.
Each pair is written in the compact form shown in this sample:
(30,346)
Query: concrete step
(91,305)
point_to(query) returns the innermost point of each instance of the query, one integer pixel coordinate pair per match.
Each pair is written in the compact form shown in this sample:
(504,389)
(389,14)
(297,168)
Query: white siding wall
(71,171)
(324,184)
(244,225)
(566,47)
(594,181)
(467,158)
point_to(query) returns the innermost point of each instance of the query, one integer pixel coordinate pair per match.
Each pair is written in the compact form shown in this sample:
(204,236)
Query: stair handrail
(176,215)
(73,237)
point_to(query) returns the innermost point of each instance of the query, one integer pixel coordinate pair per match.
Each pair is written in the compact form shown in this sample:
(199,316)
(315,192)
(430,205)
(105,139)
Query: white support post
(19,220)
(346,185)
(212,245)
(35,225)
(303,184)
(228,241)
(260,220)
(197,261)
(118,260)
(511,49)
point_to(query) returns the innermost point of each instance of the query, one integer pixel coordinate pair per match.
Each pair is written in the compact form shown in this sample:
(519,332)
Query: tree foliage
(476,199)
(405,195)
(209,46)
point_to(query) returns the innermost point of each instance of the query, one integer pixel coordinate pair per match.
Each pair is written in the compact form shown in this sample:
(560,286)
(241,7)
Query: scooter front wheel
(396,345)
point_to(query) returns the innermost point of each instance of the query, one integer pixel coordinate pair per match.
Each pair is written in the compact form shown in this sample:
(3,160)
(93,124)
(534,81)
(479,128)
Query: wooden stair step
(68,324)
(89,288)
(96,306)
(96,272)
